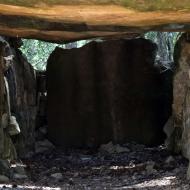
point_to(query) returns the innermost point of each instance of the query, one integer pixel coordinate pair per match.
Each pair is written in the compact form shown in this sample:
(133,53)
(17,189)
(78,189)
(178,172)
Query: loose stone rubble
(139,168)
(111,166)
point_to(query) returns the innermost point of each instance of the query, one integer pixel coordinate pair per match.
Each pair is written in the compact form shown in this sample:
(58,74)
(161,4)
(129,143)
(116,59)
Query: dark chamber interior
(108,91)
(110,111)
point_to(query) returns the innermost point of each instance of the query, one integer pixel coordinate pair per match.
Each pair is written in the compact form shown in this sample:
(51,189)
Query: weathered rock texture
(179,124)
(22,90)
(7,149)
(107,91)
(63,20)
(22,83)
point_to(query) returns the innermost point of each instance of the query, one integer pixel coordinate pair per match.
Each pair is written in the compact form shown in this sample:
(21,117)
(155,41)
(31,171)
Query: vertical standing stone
(1,100)
(22,83)
(109,91)
(22,90)
(7,149)
(178,128)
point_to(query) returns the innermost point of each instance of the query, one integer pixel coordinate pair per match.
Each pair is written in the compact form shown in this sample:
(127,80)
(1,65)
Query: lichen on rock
(179,137)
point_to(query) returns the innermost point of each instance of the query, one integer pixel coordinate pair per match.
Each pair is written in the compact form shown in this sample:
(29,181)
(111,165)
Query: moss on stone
(141,5)
(156,5)
(32,3)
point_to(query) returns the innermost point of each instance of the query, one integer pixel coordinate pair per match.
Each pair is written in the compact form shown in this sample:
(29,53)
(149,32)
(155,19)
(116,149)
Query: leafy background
(37,52)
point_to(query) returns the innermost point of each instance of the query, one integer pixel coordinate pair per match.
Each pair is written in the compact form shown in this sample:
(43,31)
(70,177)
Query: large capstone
(107,91)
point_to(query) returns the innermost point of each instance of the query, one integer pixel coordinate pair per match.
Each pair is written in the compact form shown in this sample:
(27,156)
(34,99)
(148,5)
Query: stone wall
(22,91)
(178,127)
(107,91)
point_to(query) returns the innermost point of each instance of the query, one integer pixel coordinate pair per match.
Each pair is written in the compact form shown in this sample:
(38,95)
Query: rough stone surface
(57,176)
(18,169)
(169,160)
(19,176)
(150,168)
(111,148)
(19,113)
(4,179)
(113,171)
(63,20)
(7,149)
(22,84)
(109,91)
(43,146)
(4,167)
(178,128)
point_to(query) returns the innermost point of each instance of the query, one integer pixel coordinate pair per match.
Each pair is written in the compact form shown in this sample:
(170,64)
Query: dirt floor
(132,167)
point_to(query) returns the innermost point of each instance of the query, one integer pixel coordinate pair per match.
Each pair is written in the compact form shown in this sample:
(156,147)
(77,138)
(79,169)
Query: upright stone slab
(22,91)
(109,91)
(7,148)
(22,84)
(179,125)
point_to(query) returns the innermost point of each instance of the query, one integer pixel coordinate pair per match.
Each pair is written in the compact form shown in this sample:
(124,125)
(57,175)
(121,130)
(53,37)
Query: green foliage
(37,52)
(166,42)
